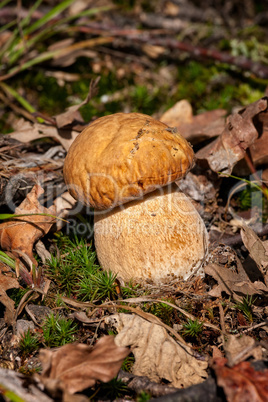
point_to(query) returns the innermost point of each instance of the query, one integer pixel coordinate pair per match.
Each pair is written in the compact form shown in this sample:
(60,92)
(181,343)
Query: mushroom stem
(159,237)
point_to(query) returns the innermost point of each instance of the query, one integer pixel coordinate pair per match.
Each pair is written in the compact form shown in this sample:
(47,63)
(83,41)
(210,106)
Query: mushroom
(124,165)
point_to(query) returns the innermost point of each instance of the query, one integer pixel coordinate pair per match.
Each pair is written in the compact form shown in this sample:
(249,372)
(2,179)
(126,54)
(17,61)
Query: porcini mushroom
(145,228)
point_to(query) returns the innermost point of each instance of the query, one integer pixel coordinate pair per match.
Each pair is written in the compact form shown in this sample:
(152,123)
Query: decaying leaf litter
(175,334)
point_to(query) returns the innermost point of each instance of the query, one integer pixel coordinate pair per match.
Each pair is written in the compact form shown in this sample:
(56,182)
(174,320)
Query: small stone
(22,326)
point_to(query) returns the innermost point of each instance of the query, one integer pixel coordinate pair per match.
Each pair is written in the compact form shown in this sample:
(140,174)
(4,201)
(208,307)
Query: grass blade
(49,16)
(11,216)
(11,91)
(4,3)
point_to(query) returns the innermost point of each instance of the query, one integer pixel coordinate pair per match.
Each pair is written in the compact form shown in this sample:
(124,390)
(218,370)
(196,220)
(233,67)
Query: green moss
(161,310)
(50,97)
(57,331)
(210,86)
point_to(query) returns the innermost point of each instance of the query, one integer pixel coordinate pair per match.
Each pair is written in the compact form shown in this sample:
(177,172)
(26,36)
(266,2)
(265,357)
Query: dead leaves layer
(239,133)
(237,284)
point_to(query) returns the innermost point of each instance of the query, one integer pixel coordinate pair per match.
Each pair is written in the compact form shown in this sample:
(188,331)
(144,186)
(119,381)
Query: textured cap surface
(123,156)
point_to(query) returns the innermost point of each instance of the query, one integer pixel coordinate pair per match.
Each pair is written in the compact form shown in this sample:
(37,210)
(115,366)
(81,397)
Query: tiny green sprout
(143,397)
(112,390)
(210,312)
(192,328)
(163,311)
(28,343)
(57,331)
(246,307)
(128,363)
(100,285)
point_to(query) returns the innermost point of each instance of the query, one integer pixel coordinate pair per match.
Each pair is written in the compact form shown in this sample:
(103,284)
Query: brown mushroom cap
(123,156)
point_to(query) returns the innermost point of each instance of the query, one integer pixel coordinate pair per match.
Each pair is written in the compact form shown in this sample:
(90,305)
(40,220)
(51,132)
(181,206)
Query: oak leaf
(7,281)
(75,367)
(20,234)
(157,355)
(241,382)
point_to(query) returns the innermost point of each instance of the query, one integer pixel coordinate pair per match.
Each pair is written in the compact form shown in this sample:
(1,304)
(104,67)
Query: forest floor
(68,329)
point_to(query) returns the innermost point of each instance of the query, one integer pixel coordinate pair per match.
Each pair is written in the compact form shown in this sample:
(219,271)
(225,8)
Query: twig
(149,37)
(262,324)
(142,383)
(222,319)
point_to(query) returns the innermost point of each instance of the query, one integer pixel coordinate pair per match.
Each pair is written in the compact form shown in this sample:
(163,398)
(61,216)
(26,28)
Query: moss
(210,86)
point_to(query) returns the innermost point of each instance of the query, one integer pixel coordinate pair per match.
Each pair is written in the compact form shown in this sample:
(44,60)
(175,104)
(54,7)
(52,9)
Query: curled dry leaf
(241,130)
(70,114)
(75,367)
(239,349)
(234,284)
(7,282)
(21,234)
(241,382)
(258,250)
(26,132)
(157,355)
(64,129)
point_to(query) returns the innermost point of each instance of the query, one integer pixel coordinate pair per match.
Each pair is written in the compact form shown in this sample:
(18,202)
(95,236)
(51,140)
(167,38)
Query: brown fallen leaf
(75,367)
(194,128)
(69,115)
(258,250)
(20,234)
(7,281)
(239,349)
(63,129)
(157,355)
(259,150)
(26,132)
(234,284)
(240,132)
(241,382)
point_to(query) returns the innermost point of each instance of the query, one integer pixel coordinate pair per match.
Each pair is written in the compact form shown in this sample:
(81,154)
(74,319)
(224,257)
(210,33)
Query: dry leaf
(179,113)
(234,284)
(239,349)
(198,187)
(258,250)
(157,355)
(259,150)
(194,128)
(69,116)
(27,132)
(241,383)
(240,132)
(21,234)
(75,367)
(7,282)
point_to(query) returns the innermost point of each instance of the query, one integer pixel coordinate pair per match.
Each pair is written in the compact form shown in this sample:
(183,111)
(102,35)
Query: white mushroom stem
(160,237)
